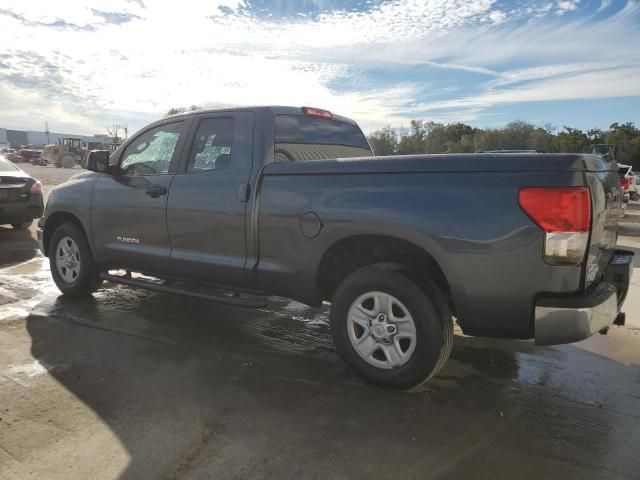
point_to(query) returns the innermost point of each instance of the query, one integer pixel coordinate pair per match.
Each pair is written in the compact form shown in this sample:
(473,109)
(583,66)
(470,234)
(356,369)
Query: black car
(20,196)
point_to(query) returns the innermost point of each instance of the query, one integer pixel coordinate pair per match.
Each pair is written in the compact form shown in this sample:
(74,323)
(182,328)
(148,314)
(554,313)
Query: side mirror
(98,161)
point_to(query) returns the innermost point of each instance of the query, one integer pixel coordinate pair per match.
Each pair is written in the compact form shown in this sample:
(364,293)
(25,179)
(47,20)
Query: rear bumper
(22,211)
(571,319)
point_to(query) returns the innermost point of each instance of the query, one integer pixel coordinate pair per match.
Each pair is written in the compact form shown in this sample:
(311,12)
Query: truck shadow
(16,246)
(192,389)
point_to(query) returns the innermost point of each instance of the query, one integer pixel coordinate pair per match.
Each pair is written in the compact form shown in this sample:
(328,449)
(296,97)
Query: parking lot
(133,384)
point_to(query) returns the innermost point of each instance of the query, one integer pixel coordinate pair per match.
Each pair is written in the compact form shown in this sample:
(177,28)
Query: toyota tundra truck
(291,202)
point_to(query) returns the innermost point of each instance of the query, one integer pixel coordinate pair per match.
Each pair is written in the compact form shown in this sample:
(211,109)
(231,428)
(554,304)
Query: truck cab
(176,203)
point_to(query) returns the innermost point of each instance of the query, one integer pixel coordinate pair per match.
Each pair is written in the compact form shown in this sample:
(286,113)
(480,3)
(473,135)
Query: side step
(235,299)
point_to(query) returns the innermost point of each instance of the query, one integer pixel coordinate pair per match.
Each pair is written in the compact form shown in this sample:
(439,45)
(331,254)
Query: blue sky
(82,65)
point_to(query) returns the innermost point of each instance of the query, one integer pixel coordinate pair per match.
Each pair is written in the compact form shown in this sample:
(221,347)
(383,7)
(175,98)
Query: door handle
(155,191)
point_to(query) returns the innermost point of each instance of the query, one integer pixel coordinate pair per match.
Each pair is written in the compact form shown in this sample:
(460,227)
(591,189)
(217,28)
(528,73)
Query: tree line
(431,137)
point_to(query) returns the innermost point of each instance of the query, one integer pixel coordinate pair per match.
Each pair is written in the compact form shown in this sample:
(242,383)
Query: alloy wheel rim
(381,330)
(68,259)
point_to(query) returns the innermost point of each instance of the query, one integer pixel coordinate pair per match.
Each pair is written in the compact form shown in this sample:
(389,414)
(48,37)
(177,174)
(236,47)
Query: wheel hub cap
(381,330)
(67,259)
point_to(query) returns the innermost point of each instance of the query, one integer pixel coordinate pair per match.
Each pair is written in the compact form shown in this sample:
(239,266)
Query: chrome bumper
(571,319)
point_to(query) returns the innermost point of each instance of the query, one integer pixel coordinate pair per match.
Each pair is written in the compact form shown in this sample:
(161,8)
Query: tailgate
(606,203)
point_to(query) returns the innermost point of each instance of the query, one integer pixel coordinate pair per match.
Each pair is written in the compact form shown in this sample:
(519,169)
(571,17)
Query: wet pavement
(135,385)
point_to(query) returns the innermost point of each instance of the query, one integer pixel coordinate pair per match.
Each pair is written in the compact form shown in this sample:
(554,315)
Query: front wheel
(68,161)
(72,266)
(390,330)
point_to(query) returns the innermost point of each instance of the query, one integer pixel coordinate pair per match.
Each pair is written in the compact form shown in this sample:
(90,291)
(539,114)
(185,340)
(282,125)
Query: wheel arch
(352,253)
(54,221)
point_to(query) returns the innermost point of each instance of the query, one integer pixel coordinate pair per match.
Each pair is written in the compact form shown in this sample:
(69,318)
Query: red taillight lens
(557,209)
(316,112)
(624,183)
(36,187)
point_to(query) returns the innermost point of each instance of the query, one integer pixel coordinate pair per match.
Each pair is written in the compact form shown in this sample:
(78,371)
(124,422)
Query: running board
(236,300)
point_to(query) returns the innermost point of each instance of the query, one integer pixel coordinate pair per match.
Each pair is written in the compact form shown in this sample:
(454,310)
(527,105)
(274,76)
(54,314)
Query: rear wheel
(390,330)
(72,266)
(22,225)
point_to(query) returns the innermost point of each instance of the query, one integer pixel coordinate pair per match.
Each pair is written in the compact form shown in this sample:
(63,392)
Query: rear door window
(301,138)
(212,145)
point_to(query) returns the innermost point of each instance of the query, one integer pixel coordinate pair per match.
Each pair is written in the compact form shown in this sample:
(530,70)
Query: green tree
(571,140)
(436,138)
(627,138)
(384,141)
(492,139)
(176,110)
(413,141)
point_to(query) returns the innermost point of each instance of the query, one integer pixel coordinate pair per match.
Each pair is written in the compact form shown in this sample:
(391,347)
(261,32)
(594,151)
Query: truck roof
(272,109)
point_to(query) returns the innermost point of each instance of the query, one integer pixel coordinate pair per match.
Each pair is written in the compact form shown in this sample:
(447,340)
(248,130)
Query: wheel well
(350,254)
(53,222)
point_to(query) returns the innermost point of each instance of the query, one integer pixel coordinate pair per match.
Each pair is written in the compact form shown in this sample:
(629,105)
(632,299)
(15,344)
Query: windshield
(7,166)
(300,138)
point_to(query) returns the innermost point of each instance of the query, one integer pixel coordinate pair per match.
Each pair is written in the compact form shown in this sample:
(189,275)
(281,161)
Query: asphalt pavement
(133,384)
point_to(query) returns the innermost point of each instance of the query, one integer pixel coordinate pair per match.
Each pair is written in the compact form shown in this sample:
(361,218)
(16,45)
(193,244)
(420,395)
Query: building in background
(19,138)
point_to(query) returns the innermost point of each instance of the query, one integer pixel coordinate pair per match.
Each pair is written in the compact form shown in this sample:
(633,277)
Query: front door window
(151,152)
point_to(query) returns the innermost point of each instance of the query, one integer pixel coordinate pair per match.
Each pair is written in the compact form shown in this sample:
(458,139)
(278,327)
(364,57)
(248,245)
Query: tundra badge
(128,240)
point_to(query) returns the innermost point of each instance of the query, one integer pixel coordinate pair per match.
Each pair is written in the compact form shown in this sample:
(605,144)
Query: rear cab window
(302,138)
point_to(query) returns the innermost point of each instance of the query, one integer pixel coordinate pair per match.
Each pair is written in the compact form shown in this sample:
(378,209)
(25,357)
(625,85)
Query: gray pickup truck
(290,201)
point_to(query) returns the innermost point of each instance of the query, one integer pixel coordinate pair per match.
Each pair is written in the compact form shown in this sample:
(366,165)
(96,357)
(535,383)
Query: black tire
(22,225)
(432,318)
(68,161)
(88,279)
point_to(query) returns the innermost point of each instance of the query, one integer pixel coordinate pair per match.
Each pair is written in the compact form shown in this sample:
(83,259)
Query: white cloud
(497,16)
(564,6)
(604,4)
(96,62)
(549,71)
(598,84)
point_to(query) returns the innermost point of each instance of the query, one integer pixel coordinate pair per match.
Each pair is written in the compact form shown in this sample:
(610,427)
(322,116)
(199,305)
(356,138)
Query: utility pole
(114,129)
(46,130)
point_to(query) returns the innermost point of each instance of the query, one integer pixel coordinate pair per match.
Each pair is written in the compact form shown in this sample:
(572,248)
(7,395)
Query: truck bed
(462,209)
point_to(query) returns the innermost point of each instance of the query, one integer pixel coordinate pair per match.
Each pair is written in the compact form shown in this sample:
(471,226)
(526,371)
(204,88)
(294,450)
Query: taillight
(564,213)
(317,112)
(624,183)
(36,187)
